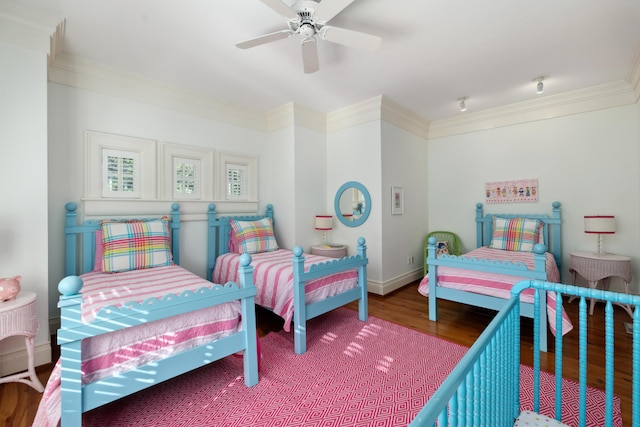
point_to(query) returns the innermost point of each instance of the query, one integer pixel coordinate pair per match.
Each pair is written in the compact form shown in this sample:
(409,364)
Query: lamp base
(600,244)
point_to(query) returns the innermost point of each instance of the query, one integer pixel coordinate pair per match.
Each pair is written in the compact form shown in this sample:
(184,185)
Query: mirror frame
(367,202)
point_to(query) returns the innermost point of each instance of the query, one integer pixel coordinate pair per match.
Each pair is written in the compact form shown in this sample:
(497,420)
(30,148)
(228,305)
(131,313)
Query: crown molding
(377,108)
(589,99)
(293,114)
(404,118)
(25,28)
(634,74)
(356,114)
(84,74)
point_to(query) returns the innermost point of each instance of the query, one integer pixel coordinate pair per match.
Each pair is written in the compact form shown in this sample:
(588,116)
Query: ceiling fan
(308,19)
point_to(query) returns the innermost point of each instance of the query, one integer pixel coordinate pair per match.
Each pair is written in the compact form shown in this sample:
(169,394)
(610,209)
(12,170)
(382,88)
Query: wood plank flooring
(457,323)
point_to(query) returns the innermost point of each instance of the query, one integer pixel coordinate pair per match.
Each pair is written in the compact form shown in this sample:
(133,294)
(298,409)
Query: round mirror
(352,204)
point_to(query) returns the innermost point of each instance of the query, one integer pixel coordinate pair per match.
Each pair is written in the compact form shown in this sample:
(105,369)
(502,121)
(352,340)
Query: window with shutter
(120,173)
(186,178)
(240,179)
(236,182)
(119,166)
(187,172)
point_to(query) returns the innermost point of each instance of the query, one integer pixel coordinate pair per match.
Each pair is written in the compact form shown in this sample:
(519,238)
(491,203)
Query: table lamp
(599,224)
(324,223)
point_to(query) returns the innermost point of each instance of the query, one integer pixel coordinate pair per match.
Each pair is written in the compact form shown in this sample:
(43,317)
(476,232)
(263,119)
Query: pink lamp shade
(599,224)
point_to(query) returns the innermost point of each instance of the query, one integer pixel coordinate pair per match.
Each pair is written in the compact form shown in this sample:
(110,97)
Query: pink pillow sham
(97,261)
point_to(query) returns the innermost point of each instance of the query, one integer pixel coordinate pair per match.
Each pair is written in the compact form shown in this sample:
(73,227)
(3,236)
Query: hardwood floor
(457,323)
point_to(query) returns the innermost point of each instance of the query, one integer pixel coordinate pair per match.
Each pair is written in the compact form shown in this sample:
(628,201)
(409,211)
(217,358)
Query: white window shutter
(186,178)
(237,182)
(120,173)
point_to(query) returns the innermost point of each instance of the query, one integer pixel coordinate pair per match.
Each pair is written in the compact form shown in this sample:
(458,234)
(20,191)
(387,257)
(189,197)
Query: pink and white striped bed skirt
(273,278)
(499,285)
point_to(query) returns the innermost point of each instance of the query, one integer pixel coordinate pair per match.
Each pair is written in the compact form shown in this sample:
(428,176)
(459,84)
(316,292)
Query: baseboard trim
(54,324)
(14,362)
(384,288)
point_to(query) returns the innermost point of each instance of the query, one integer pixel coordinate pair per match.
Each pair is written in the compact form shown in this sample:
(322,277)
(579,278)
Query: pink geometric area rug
(354,373)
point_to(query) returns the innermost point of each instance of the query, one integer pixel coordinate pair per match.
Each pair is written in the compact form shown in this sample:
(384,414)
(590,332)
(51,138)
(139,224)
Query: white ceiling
(432,51)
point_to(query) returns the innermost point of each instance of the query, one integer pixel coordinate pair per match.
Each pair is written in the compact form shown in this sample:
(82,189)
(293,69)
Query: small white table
(601,267)
(331,251)
(18,317)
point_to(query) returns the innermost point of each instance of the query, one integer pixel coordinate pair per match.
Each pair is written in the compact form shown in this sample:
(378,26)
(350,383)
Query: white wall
(354,154)
(404,165)
(23,172)
(281,163)
(310,184)
(589,162)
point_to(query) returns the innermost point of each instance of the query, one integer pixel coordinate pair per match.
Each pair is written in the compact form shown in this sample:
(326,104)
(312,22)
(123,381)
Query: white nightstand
(331,251)
(18,317)
(601,267)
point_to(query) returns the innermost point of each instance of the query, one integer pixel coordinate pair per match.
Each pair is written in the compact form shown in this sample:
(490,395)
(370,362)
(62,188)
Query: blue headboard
(218,233)
(550,230)
(80,250)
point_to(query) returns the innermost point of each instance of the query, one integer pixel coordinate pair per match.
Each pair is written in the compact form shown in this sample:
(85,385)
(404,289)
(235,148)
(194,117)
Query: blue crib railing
(484,388)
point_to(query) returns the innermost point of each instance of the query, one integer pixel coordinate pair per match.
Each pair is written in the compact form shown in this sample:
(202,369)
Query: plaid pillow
(515,234)
(254,236)
(135,244)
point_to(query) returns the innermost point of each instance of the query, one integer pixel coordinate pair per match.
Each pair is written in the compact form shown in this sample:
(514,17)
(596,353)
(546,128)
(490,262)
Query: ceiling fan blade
(279,7)
(310,55)
(265,39)
(327,9)
(350,38)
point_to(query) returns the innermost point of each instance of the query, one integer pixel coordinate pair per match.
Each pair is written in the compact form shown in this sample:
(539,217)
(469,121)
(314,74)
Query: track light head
(463,105)
(540,85)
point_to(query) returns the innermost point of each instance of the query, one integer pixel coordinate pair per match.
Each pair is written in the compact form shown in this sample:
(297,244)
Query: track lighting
(463,105)
(540,85)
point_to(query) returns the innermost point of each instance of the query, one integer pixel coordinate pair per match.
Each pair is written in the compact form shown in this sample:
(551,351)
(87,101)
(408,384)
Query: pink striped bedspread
(122,350)
(273,278)
(499,285)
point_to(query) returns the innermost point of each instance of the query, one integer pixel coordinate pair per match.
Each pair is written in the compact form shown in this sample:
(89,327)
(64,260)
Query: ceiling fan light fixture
(308,18)
(306,31)
(463,104)
(540,85)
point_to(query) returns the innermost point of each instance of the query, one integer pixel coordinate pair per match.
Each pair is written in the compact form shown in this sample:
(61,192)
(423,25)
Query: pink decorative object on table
(9,288)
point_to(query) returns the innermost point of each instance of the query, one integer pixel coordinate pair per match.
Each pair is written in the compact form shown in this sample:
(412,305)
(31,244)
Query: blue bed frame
(218,244)
(484,387)
(484,230)
(77,398)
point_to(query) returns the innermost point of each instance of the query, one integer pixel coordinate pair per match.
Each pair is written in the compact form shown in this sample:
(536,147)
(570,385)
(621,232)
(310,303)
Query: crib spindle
(536,352)
(609,361)
(582,349)
(635,408)
(558,350)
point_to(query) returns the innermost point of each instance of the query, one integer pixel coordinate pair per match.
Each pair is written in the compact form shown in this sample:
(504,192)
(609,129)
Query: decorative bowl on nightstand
(331,251)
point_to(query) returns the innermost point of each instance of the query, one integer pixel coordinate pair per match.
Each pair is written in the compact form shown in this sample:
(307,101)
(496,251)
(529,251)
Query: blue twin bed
(134,318)
(294,285)
(510,248)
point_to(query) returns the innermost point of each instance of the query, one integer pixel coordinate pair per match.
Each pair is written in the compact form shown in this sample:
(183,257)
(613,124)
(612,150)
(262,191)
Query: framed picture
(514,191)
(397,200)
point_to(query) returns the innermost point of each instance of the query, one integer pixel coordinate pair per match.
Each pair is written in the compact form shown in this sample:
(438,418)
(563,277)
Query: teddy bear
(9,288)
